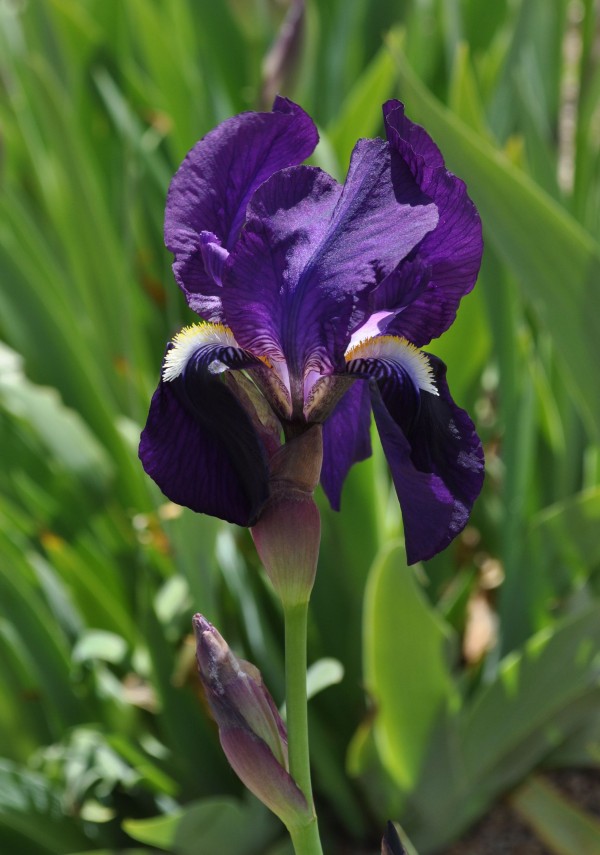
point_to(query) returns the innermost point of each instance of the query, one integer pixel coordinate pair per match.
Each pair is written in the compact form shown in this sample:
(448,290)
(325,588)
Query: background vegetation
(460,679)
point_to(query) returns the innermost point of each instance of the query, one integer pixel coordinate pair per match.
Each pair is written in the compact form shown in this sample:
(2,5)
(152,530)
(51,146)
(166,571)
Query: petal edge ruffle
(448,257)
(212,188)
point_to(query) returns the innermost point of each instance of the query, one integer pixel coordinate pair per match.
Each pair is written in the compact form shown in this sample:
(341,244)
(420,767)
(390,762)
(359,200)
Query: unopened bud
(391,845)
(251,731)
(288,534)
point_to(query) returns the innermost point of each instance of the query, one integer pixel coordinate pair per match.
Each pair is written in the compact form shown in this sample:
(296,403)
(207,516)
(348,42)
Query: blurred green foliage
(460,678)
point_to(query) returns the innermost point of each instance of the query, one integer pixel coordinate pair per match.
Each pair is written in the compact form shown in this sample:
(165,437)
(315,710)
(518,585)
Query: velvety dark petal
(444,441)
(434,453)
(211,189)
(448,258)
(426,503)
(201,448)
(346,440)
(318,253)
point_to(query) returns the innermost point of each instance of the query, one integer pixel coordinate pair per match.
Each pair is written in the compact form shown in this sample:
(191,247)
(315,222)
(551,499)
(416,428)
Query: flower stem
(306,837)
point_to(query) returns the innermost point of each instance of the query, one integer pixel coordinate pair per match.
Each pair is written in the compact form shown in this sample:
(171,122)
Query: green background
(461,679)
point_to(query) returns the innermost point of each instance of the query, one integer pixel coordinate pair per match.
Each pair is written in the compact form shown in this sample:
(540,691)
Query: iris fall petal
(200,445)
(435,458)
(346,440)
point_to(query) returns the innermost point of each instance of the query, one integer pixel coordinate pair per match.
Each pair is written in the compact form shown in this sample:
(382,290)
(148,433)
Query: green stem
(306,837)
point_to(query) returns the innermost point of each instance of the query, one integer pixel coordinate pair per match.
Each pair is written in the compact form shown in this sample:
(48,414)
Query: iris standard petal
(199,443)
(287,220)
(346,440)
(448,259)
(433,451)
(211,189)
(412,141)
(317,254)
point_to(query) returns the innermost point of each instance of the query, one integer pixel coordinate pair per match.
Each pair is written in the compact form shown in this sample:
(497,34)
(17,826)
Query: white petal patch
(393,351)
(189,340)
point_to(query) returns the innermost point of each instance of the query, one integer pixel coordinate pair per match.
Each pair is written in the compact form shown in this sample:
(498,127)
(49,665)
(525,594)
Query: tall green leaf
(406,665)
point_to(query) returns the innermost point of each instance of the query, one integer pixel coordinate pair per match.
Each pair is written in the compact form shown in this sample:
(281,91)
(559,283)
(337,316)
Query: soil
(503,832)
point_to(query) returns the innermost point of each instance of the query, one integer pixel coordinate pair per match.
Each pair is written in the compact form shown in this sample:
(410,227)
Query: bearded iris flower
(315,300)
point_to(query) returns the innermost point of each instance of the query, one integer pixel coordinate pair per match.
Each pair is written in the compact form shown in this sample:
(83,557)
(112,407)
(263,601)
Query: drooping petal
(346,440)
(317,254)
(434,453)
(208,196)
(199,443)
(447,261)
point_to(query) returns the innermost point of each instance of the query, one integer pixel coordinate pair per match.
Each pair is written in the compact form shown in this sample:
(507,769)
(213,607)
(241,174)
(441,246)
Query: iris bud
(391,845)
(251,731)
(288,533)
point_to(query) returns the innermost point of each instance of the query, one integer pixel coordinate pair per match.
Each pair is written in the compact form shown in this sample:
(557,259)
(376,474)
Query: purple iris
(315,299)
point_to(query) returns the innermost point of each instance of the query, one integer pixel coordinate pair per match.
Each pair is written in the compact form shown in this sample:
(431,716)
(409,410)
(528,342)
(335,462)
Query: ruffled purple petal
(317,254)
(434,454)
(416,147)
(346,440)
(287,219)
(201,448)
(447,261)
(213,185)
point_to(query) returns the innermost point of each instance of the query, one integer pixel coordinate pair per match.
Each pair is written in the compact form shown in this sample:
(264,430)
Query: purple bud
(251,731)
(288,532)
(391,845)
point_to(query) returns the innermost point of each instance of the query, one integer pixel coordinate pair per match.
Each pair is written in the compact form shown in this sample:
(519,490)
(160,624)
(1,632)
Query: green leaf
(517,718)
(64,434)
(211,825)
(100,644)
(556,820)
(225,825)
(359,115)
(115,852)
(43,642)
(158,831)
(506,730)
(564,539)
(322,674)
(406,668)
